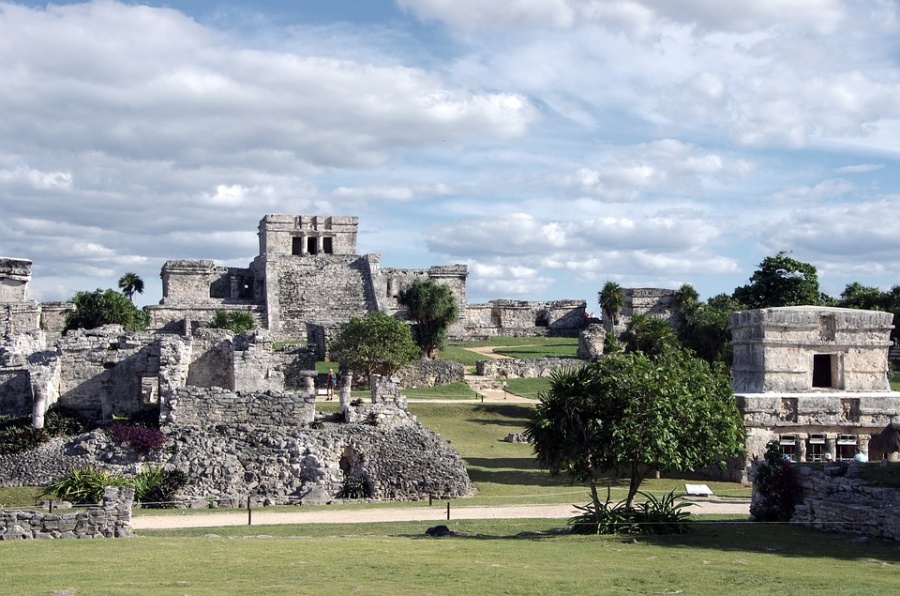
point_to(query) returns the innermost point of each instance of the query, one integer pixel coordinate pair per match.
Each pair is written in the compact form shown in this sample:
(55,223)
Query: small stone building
(815,379)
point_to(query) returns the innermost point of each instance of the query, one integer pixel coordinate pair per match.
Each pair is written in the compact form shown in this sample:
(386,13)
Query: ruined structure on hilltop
(308,278)
(813,378)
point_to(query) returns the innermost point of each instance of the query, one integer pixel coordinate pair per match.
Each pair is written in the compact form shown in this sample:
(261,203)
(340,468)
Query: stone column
(863,443)
(801,447)
(831,446)
(346,387)
(303,244)
(309,384)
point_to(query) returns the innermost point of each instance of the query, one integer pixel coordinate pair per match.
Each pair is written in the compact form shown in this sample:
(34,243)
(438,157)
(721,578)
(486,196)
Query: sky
(550,145)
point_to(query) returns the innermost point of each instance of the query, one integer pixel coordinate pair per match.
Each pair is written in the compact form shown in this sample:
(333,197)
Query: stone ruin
(307,279)
(815,379)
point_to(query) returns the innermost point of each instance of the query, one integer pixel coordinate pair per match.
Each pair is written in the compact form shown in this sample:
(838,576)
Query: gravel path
(438,512)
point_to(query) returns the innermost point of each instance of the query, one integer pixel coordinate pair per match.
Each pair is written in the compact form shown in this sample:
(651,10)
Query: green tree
(706,328)
(612,300)
(630,414)
(237,321)
(780,281)
(374,344)
(105,307)
(650,335)
(131,283)
(433,307)
(856,295)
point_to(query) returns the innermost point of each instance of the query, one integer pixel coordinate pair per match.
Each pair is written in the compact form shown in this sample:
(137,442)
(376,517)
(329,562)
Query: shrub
(654,516)
(236,321)
(354,487)
(63,422)
(17,439)
(140,438)
(775,490)
(156,487)
(84,486)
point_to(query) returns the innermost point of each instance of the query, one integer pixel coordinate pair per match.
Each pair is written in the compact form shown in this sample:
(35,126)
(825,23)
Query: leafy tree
(706,330)
(374,344)
(650,335)
(131,283)
(780,281)
(105,307)
(856,295)
(629,414)
(612,301)
(236,321)
(433,307)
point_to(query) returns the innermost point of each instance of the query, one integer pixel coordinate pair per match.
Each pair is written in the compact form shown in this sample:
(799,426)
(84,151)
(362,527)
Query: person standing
(330,384)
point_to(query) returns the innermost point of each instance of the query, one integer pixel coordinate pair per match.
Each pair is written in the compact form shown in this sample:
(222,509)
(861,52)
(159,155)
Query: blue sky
(551,145)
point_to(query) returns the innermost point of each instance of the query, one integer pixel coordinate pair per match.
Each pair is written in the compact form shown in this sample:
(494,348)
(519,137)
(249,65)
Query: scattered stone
(438,531)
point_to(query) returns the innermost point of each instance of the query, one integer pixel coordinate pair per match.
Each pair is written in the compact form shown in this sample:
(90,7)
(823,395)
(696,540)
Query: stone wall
(515,318)
(112,519)
(834,500)
(591,342)
(196,406)
(430,373)
(15,274)
(518,368)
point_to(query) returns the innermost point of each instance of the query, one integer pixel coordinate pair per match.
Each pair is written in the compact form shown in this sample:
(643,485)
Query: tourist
(860,456)
(330,384)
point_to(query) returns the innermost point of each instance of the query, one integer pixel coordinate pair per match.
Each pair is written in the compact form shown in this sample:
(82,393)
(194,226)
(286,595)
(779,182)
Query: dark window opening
(846,447)
(311,246)
(815,449)
(327,246)
(297,246)
(788,447)
(542,320)
(822,370)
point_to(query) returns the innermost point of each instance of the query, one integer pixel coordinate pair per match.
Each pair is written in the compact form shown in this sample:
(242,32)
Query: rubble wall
(196,406)
(527,368)
(112,519)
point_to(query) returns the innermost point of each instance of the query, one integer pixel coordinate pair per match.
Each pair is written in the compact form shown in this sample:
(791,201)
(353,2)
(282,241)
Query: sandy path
(438,512)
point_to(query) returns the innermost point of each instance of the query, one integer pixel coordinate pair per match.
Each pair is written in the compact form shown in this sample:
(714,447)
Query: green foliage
(236,321)
(17,435)
(776,493)
(157,487)
(630,414)
(780,281)
(612,300)
(705,328)
(105,307)
(433,307)
(650,335)
(131,283)
(374,344)
(84,486)
(654,516)
(18,439)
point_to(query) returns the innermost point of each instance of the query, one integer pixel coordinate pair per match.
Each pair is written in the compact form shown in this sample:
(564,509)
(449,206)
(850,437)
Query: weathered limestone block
(430,373)
(512,368)
(590,342)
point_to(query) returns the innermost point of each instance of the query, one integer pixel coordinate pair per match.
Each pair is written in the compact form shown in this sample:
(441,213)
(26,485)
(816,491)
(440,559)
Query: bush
(140,438)
(236,321)
(17,439)
(655,516)
(66,422)
(156,488)
(775,490)
(84,486)
(354,487)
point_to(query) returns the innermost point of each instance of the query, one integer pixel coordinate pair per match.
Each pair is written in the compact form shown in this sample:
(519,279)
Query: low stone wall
(519,368)
(844,503)
(196,406)
(430,373)
(112,519)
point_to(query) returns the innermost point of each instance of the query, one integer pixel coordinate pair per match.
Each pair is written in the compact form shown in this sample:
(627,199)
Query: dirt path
(438,512)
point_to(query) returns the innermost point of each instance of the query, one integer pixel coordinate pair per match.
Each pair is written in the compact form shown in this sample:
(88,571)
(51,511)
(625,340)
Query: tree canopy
(433,307)
(780,281)
(629,414)
(105,307)
(131,283)
(374,344)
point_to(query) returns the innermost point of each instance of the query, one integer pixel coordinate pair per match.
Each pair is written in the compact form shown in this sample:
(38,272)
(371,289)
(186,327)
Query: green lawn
(717,558)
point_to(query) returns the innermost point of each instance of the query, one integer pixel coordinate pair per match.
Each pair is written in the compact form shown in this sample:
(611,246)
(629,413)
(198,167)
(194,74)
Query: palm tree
(612,300)
(131,283)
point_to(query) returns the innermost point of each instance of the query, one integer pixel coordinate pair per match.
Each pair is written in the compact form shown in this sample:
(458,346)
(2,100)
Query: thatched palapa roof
(887,441)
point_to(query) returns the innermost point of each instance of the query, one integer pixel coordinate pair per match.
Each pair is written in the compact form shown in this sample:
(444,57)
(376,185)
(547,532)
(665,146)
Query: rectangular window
(822,373)
(297,245)
(846,447)
(327,246)
(815,449)
(788,446)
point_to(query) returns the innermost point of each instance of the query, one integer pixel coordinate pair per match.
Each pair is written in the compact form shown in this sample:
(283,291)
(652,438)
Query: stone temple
(815,379)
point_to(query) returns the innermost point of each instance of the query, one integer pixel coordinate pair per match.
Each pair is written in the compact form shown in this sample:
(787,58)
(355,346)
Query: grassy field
(719,558)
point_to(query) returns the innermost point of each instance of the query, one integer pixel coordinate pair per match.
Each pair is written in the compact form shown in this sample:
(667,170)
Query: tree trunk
(636,478)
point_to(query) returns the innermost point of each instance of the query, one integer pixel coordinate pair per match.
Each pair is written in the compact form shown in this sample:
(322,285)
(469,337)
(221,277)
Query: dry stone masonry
(111,519)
